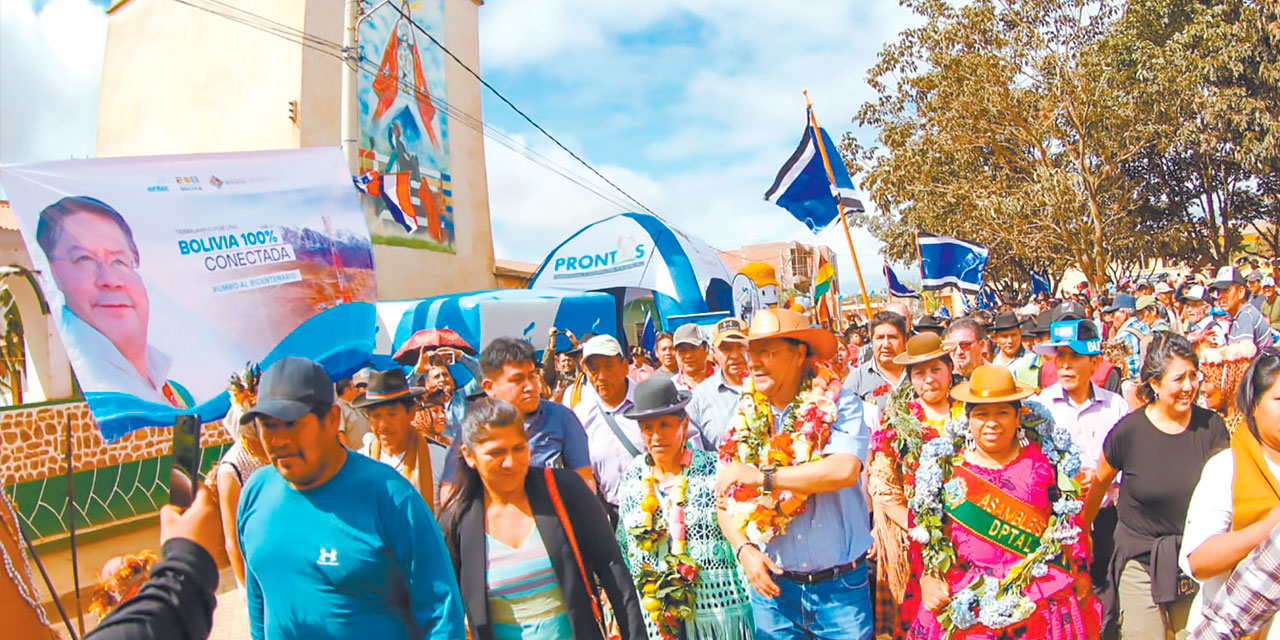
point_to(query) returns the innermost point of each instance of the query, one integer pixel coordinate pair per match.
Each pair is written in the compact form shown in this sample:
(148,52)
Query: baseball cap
(1268,281)
(1254,276)
(1069,310)
(1078,335)
(688,334)
(1195,292)
(1163,287)
(361,377)
(291,388)
(1122,301)
(1145,302)
(732,329)
(1226,277)
(601,345)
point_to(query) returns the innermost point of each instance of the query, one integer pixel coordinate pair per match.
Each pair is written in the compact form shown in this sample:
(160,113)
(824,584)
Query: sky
(689,107)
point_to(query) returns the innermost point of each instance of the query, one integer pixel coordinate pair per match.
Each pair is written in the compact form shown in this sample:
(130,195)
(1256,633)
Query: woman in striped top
(522,573)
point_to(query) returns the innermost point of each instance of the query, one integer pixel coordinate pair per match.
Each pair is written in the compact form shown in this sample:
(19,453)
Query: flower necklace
(903,430)
(667,587)
(754,439)
(994,603)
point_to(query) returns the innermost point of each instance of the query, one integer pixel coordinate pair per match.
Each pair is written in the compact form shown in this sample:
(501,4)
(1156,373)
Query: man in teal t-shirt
(335,545)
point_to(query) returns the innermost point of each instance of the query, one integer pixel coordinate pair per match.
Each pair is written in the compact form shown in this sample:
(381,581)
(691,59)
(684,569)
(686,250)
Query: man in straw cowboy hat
(808,575)
(391,404)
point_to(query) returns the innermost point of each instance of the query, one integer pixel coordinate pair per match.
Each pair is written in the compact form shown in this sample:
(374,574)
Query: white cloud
(711,151)
(50,71)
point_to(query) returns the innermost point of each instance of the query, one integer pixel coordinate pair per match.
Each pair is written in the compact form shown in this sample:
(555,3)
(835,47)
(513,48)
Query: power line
(337,51)
(522,114)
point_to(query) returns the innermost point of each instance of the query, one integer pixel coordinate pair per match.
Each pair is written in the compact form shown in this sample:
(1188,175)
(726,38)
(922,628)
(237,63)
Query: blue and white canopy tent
(481,316)
(636,255)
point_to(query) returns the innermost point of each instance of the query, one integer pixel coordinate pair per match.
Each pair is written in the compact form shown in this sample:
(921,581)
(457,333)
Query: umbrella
(412,348)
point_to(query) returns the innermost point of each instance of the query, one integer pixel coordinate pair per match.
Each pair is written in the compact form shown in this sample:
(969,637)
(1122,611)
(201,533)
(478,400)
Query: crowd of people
(1087,467)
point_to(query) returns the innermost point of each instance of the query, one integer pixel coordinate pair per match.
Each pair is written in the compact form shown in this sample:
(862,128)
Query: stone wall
(112,481)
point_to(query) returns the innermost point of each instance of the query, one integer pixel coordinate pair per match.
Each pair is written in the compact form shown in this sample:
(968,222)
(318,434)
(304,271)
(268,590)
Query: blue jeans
(838,609)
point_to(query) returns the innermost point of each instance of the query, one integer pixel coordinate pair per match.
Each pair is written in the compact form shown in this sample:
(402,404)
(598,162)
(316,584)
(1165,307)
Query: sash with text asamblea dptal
(993,515)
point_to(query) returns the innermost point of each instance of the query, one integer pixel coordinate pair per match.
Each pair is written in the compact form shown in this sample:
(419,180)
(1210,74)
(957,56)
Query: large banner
(168,273)
(404,137)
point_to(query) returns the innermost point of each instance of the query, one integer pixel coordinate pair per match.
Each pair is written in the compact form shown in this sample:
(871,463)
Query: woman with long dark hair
(1161,448)
(528,547)
(1233,509)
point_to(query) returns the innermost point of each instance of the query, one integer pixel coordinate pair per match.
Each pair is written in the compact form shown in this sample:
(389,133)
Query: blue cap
(1122,301)
(1078,335)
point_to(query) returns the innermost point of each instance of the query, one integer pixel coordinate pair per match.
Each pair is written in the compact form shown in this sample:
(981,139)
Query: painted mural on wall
(403,128)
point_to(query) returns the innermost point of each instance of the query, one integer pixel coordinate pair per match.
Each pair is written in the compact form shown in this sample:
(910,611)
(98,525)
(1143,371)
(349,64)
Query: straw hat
(923,347)
(991,384)
(781,323)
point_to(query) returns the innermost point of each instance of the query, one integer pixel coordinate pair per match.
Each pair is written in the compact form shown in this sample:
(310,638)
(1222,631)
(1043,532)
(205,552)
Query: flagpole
(920,261)
(826,162)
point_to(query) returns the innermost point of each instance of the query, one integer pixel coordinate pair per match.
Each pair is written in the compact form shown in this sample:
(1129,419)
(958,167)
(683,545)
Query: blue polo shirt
(556,439)
(359,556)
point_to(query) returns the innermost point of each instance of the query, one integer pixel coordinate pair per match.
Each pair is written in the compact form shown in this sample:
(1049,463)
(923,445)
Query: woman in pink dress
(1009,561)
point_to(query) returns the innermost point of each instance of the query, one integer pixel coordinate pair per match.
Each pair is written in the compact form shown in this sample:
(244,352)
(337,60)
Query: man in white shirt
(691,354)
(106,314)
(1089,412)
(612,438)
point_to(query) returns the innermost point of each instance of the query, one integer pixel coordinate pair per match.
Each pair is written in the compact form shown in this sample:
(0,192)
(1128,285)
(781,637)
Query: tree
(1208,69)
(1004,122)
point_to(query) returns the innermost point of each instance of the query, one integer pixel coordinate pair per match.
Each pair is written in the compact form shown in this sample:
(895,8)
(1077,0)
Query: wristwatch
(768,476)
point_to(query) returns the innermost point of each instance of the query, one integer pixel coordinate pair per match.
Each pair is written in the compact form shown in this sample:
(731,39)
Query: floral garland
(994,603)
(666,589)
(123,583)
(903,431)
(754,440)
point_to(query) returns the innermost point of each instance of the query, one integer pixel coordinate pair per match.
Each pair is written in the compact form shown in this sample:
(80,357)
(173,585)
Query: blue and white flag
(947,261)
(1040,283)
(804,189)
(987,299)
(896,288)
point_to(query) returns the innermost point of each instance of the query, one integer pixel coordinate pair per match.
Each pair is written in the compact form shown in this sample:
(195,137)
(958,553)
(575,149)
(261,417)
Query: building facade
(237,75)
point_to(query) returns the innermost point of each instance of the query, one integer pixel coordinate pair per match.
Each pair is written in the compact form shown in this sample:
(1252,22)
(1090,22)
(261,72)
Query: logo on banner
(629,255)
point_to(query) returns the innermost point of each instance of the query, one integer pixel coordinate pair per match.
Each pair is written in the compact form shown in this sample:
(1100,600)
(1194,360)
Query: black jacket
(175,604)
(464,534)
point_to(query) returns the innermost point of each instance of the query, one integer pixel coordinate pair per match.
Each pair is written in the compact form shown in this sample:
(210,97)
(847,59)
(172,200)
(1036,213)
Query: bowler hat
(929,323)
(386,386)
(991,384)
(656,396)
(923,347)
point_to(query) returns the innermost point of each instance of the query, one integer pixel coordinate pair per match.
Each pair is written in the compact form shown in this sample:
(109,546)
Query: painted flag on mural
(947,261)
(804,188)
(896,288)
(398,194)
(1040,283)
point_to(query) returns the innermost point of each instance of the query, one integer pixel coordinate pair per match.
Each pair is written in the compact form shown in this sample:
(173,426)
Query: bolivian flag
(822,279)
